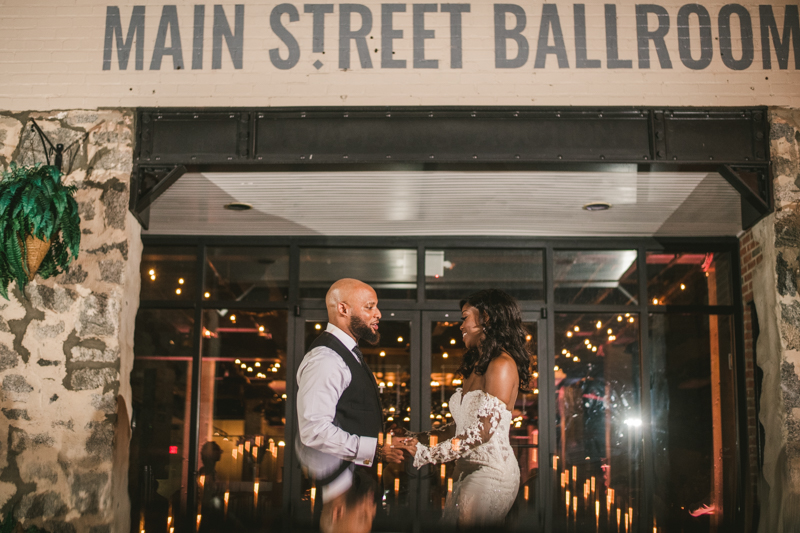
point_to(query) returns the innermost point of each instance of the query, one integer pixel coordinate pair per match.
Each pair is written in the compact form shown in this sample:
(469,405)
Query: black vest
(359,410)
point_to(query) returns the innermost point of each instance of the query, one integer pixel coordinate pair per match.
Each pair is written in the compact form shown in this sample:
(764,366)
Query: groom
(338,406)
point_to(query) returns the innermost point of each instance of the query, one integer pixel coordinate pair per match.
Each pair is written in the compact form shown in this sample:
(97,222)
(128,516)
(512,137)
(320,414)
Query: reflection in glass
(390,362)
(242,419)
(453,274)
(392,273)
(596,277)
(168,273)
(689,278)
(247,274)
(596,470)
(693,422)
(161,405)
(447,351)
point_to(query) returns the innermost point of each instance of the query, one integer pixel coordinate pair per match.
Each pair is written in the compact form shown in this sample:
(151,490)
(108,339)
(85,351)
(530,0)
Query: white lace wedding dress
(486,476)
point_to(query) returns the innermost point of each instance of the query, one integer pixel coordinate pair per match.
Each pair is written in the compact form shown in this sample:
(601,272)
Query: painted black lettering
(233,39)
(455,11)
(389,34)
(421,34)
(543,49)
(168,23)
(114,31)
(581,54)
(197,36)
(284,35)
(346,34)
(503,34)
(791,35)
(612,46)
(644,35)
(685,40)
(746,38)
(318,35)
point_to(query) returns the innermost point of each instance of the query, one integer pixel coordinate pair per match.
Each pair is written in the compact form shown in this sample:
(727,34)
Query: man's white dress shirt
(321,379)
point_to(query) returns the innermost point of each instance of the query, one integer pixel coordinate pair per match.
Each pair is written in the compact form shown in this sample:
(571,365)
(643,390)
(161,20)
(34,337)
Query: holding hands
(392,450)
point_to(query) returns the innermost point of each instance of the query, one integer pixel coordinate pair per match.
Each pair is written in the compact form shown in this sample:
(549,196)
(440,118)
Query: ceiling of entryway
(521,203)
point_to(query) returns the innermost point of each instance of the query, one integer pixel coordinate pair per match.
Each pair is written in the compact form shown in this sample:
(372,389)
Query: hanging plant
(39,225)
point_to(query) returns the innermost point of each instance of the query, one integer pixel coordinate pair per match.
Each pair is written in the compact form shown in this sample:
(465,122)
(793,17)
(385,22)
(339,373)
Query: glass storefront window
(689,278)
(596,277)
(391,272)
(168,273)
(161,406)
(246,274)
(454,274)
(694,422)
(242,415)
(597,467)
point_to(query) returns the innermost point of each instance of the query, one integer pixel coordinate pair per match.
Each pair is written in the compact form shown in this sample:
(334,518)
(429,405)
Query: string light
(258,364)
(261,328)
(569,334)
(177,291)
(683,287)
(399,339)
(180,281)
(576,328)
(452,341)
(382,354)
(599,324)
(619,318)
(207,295)
(655,301)
(445,355)
(233,318)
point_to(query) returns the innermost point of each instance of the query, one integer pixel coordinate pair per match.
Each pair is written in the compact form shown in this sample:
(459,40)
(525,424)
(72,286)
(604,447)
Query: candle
(611,491)
(434,440)
(597,514)
(258,440)
(380,439)
(449,484)
(574,473)
(608,503)
(574,504)
(172,530)
(555,462)
(397,484)
(567,501)
(593,486)
(526,493)
(199,517)
(241,450)
(619,514)
(169,520)
(454,444)
(630,513)
(443,471)
(626,522)
(247,445)
(202,481)
(235,453)
(226,498)
(255,453)
(255,494)
(380,470)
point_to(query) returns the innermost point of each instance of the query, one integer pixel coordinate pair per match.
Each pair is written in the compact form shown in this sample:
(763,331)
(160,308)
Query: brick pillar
(66,347)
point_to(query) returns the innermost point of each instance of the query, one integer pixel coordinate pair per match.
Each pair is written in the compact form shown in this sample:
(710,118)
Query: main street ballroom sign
(529,35)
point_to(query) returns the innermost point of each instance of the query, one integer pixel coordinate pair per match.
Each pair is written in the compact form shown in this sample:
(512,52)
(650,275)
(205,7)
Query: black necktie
(359,355)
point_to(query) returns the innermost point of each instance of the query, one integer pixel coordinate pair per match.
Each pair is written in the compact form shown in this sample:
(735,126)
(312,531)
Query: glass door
(442,352)
(394,363)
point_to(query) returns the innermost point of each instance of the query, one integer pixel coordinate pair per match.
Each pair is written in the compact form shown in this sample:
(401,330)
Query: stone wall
(66,346)
(775,281)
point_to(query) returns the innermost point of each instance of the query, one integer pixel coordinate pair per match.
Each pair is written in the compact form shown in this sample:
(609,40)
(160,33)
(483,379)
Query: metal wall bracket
(147,184)
(752,184)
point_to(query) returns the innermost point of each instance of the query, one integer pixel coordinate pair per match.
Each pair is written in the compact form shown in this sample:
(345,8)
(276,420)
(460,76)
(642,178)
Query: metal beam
(755,203)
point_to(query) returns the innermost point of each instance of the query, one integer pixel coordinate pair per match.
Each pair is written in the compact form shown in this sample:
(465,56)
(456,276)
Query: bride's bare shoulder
(502,366)
(501,378)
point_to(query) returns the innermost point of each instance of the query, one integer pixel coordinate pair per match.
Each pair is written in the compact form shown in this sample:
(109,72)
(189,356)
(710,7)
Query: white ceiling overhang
(449,203)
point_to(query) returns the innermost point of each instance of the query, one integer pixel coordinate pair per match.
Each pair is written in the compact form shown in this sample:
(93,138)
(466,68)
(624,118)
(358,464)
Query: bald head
(353,308)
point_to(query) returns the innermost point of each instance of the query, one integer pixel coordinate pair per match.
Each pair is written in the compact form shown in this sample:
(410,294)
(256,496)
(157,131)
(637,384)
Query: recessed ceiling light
(238,206)
(597,206)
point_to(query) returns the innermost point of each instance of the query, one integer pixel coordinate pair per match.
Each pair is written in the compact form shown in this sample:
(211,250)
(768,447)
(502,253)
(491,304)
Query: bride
(495,367)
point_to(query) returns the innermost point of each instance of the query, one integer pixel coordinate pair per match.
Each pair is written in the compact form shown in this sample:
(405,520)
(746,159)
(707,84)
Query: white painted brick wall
(51,57)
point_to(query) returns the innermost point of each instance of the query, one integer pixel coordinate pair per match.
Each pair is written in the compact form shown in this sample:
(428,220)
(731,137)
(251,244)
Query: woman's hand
(407,445)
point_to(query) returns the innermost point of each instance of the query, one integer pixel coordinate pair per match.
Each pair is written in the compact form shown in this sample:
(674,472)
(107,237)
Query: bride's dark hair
(501,319)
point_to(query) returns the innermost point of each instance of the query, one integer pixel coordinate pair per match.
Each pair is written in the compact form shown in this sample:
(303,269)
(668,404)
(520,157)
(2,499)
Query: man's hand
(407,445)
(391,454)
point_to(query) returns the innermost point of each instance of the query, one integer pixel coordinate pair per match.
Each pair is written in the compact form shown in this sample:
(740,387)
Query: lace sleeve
(442,432)
(488,414)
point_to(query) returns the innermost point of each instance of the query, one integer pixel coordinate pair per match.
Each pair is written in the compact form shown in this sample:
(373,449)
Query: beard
(363,331)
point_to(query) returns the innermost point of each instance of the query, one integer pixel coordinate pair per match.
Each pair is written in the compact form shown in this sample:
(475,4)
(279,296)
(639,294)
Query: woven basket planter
(37,250)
